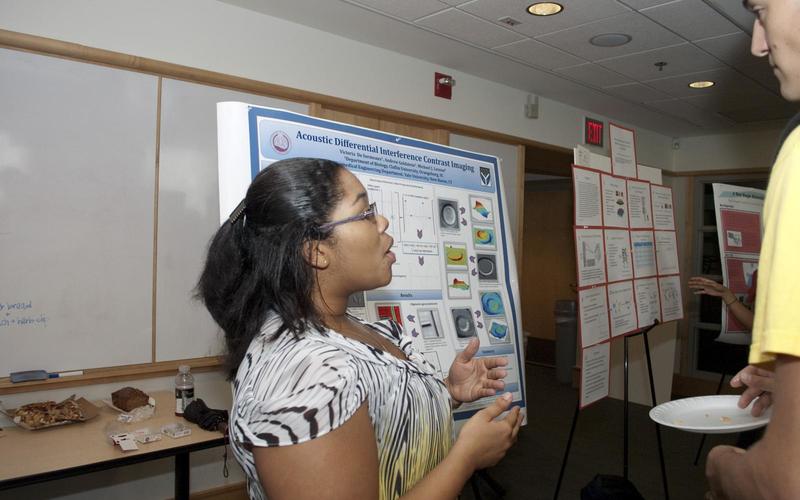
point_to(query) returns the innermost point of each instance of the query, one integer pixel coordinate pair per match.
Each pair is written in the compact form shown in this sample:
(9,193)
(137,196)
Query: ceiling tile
(762,73)
(576,12)
(733,49)
(727,81)
(735,12)
(759,114)
(593,74)
(680,59)
(682,109)
(539,54)
(645,35)
(691,19)
(469,28)
(643,4)
(636,92)
(408,9)
(735,100)
(456,2)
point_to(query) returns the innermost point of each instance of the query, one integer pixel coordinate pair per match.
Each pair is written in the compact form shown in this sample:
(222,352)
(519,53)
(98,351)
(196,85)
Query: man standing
(771,467)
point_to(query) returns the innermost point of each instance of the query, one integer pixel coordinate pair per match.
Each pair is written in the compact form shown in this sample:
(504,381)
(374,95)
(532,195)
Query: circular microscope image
(492,304)
(487,267)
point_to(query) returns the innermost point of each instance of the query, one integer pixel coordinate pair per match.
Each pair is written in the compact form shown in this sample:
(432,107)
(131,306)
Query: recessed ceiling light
(610,39)
(701,84)
(545,8)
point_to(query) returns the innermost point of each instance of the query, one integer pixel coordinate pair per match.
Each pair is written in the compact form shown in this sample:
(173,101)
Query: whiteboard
(188,213)
(77,182)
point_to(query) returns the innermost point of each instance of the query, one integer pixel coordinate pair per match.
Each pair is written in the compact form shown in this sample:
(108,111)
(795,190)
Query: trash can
(566,314)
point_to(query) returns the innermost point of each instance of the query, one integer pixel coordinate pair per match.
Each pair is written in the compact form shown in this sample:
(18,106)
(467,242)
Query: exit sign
(593,131)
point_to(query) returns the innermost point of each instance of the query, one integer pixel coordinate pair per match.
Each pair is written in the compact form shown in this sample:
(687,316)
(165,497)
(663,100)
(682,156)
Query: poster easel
(626,406)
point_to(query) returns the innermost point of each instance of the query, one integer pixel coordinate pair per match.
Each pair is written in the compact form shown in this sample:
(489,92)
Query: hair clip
(237,212)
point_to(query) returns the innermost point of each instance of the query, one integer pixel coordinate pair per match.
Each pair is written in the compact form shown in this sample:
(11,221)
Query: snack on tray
(128,398)
(48,413)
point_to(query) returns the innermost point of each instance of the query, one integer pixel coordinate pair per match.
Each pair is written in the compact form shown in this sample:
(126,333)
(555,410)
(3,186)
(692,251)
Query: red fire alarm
(443,85)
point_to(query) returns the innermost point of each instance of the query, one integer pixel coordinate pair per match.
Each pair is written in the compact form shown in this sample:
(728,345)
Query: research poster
(586,185)
(455,278)
(615,201)
(593,316)
(589,250)
(666,252)
(623,151)
(739,230)
(663,209)
(595,364)
(619,263)
(648,301)
(644,254)
(628,268)
(639,205)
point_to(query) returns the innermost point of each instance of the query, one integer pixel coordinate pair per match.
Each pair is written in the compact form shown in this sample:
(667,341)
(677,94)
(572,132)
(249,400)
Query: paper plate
(708,415)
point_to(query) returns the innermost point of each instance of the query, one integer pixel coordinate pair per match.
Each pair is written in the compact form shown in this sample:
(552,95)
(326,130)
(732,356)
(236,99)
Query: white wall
(726,151)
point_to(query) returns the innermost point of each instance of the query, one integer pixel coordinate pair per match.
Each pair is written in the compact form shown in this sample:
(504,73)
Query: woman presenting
(325,405)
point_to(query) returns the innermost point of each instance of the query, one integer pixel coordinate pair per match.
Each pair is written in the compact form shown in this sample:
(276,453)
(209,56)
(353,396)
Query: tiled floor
(530,470)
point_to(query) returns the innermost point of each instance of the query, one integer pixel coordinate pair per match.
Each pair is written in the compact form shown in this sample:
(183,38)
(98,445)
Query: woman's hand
(760,385)
(470,379)
(705,286)
(483,441)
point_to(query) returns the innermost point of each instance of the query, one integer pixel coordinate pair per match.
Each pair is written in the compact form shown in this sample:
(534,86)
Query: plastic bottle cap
(184,368)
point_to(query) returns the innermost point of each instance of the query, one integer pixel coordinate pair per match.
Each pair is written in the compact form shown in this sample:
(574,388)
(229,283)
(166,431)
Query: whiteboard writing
(20,313)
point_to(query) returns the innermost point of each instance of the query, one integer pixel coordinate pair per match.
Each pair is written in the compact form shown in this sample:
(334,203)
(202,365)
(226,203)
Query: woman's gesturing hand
(473,378)
(483,441)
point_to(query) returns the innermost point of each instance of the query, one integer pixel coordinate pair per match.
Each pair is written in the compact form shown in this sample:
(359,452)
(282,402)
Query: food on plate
(129,398)
(47,413)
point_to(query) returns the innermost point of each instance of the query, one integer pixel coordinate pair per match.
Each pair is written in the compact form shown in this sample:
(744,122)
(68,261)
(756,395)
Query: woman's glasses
(371,211)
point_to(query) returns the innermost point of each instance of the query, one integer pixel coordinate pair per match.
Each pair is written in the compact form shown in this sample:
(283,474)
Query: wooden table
(28,457)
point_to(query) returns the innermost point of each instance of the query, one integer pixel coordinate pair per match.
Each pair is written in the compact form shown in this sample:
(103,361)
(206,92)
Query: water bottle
(184,389)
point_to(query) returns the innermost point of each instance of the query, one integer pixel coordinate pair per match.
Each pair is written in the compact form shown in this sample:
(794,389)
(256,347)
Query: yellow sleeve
(776,328)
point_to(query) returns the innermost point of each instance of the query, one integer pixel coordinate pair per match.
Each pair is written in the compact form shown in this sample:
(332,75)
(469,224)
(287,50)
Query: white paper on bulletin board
(455,277)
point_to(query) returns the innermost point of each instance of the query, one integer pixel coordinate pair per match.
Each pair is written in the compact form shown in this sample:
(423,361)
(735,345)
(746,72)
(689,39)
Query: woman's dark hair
(256,263)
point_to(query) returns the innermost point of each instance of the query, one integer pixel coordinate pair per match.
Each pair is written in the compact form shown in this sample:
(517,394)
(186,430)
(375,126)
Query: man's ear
(316,254)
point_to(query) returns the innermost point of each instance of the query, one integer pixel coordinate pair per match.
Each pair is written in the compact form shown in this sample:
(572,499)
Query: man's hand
(760,385)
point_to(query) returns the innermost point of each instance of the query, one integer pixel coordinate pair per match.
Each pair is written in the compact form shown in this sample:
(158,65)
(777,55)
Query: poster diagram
(738,210)
(619,260)
(615,201)
(591,260)
(644,254)
(455,276)
(639,204)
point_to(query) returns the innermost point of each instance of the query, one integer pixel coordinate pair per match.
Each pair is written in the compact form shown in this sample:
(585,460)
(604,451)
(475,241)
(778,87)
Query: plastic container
(566,314)
(184,389)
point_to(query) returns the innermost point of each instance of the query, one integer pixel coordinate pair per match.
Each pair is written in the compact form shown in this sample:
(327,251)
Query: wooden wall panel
(549,262)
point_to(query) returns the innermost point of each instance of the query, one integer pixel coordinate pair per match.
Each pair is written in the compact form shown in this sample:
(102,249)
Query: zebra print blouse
(289,391)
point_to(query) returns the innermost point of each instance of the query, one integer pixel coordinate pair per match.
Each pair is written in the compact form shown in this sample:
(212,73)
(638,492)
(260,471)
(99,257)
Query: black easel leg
(625,412)
(566,452)
(658,427)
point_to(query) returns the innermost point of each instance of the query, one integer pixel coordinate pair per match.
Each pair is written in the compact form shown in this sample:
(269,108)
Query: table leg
(182,476)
